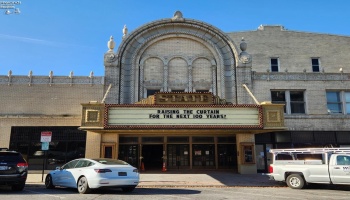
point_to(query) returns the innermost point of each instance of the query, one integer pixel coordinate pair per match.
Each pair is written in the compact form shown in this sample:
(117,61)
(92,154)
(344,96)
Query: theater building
(181,94)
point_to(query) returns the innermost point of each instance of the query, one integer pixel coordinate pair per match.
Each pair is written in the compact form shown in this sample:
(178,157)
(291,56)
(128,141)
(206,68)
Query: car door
(340,172)
(64,176)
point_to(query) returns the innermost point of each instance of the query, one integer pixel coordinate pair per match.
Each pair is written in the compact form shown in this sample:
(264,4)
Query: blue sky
(63,37)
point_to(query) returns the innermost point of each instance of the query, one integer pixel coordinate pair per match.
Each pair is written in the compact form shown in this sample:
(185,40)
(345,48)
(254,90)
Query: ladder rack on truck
(344,150)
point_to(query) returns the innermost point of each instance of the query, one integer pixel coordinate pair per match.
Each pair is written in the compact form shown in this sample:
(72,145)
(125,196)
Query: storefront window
(67,143)
(203,139)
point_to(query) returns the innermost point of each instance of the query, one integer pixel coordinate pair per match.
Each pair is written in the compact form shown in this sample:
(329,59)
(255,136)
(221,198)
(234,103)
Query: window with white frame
(293,100)
(274,65)
(315,62)
(347,102)
(338,102)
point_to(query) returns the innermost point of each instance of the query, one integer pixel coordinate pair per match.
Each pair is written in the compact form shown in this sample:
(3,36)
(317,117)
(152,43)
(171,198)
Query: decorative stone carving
(30,80)
(91,76)
(10,77)
(71,77)
(243,45)
(244,57)
(51,77)
(30,75)
(110,59)
(137,42)
(111,44)
(125,31)
(178,16)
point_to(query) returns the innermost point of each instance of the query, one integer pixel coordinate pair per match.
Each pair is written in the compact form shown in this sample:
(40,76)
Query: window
(334,104)
(152,92)
(274,65)
(293,100)
(338,102)
(70,165)
(108,150)
(83,163)
(343,160)
(297,104)
(279,97)
(347,102)
(315,64)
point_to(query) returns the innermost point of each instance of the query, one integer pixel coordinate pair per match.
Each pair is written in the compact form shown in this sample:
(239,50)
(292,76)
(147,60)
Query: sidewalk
(188,179)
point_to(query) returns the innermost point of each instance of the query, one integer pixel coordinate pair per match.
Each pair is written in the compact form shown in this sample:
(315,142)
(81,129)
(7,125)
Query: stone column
(165,77)
(241,140)
(5,135)
(190,78)
(93,145)
(213,76)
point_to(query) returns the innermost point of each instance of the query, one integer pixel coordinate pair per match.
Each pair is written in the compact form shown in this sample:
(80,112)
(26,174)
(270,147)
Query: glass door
(203,156)
(129,153)
(178,156)
(263,158)
(227,156)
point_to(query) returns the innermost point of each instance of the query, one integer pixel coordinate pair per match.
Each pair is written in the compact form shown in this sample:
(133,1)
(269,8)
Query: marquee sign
(171,98)
(183,116)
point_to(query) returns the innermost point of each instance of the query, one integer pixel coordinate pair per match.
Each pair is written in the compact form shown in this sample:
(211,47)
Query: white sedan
(86,174)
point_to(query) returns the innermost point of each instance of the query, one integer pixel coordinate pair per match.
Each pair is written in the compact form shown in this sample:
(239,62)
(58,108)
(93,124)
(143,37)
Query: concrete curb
(204,179)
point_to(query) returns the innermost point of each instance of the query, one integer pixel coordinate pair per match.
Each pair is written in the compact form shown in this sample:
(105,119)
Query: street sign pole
(45,143)
(42,174)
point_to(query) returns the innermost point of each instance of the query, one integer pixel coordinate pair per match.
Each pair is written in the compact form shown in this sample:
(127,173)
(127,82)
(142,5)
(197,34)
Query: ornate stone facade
(185,55)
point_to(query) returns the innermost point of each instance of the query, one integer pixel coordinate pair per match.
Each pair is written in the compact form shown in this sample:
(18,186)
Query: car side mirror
(58,168)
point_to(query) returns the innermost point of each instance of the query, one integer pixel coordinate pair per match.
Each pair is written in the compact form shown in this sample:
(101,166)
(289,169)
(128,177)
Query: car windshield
(9,156)
(107,161)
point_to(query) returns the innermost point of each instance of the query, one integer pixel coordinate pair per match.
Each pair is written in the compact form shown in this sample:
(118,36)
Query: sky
(64,36)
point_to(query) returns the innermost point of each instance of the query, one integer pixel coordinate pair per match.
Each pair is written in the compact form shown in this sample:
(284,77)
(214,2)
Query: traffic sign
(45,146)
(46,136)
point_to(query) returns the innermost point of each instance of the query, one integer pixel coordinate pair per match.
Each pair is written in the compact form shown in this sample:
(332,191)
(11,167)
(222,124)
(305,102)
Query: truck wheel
(295,181)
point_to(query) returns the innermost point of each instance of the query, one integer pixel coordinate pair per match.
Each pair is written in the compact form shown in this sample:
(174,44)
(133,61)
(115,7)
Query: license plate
(3,167)
(122,173)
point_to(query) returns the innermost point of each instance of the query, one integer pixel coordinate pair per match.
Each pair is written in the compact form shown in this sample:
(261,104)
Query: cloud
(39,41)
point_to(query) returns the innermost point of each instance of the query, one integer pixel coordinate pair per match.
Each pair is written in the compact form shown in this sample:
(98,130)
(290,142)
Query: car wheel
(83,186)
(48,182)
(128,189)
(18,187)
(295,181)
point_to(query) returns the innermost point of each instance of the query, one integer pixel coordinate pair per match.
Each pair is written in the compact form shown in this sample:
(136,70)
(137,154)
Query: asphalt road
(317,192)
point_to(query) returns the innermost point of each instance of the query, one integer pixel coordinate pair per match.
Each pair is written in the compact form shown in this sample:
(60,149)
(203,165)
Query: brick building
(169,68)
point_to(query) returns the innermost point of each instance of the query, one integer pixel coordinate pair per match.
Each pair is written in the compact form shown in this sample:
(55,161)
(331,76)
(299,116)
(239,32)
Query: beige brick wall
(43,105)
(177,46)
(43,99)
(178,67)
(93,145)
(316,117)
(5,134)
(110,138)
(295,49)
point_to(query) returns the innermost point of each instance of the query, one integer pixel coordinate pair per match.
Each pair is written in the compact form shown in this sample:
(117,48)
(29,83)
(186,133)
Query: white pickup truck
(298,167)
